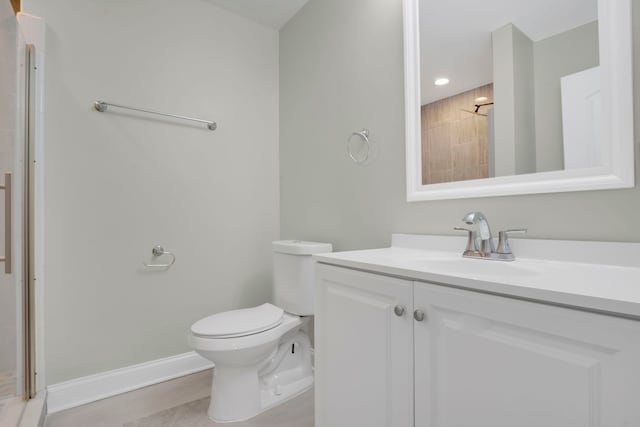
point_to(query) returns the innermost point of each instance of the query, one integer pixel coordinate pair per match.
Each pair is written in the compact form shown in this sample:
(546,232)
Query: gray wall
(513,118)
(337,76)
(504,109)
(117,184)
(524,93)
(555,57)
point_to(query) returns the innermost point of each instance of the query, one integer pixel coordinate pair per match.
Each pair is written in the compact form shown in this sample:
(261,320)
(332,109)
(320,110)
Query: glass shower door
(10,293)
(17,123)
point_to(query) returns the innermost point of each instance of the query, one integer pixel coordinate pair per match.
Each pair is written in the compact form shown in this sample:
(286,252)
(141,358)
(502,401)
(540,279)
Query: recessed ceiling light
(441,81)
(482,99)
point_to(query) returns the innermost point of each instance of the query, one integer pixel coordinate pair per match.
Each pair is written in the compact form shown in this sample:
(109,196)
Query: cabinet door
(489,361)
(363,349)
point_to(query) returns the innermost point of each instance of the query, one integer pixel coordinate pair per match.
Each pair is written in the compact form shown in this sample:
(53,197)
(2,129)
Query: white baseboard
(88,389)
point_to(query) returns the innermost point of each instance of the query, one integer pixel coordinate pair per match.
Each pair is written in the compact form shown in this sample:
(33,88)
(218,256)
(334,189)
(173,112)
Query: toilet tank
(293,276)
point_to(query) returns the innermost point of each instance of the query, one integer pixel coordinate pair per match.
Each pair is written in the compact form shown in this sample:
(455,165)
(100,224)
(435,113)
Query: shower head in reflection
(476,111)
(478,106)
(473,112)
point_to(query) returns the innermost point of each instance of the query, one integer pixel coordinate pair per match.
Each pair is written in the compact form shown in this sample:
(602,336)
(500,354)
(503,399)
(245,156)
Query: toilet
(262,356)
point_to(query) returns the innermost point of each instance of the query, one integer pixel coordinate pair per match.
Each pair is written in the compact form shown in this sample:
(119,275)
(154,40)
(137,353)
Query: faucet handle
(503,239)
(471,238)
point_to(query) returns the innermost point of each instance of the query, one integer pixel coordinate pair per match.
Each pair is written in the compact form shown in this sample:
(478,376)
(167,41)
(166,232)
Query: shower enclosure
(17,126)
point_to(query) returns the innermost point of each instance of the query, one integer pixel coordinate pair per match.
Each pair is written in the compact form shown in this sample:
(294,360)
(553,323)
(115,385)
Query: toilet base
(288,392)
(302,387)
(241,393)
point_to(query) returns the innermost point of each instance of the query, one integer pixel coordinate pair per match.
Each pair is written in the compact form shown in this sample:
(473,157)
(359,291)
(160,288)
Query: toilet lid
(238,323)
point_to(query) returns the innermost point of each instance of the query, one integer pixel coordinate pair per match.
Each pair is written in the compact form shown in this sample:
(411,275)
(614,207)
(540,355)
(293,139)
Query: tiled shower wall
(454,140)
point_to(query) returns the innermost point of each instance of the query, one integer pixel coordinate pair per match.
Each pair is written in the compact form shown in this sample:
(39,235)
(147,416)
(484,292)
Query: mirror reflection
(511,88)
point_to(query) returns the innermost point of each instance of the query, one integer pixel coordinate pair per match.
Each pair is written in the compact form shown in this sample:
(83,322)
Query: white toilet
(261,355)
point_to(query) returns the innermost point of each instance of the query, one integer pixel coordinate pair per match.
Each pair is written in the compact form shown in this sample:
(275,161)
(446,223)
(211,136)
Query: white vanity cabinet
(474,360)
(490,361)
(364,350)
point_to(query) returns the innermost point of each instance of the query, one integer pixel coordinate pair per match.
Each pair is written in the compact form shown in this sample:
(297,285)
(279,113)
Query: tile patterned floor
(182,402)
(118,410)
(7,389)
(7,384)
(297,412)
(11,411)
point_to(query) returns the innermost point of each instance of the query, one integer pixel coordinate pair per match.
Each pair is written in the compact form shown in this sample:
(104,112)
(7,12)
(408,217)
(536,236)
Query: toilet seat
(239,323)
(207,343)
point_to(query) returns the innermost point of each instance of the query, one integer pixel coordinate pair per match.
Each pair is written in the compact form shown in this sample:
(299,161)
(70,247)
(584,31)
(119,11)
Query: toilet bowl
(261,355)
(254,371)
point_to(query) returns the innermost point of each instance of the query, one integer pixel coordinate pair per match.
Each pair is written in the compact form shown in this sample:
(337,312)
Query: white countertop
(600,276)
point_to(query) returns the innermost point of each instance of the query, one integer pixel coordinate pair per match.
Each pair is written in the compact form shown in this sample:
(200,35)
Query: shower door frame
(32,42)
(29,388)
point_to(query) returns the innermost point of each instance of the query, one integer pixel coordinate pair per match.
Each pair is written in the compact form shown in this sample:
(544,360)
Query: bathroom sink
(476,268)
(602,276)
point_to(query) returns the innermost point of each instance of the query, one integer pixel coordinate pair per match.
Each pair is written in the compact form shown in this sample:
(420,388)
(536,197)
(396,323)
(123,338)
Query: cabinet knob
(399,310)
(418,315)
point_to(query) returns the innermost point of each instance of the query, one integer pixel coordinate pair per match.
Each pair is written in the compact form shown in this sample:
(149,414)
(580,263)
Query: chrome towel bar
(102,106)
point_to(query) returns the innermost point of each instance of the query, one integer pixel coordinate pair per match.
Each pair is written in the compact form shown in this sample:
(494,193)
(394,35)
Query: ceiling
(455,37)
(272,13)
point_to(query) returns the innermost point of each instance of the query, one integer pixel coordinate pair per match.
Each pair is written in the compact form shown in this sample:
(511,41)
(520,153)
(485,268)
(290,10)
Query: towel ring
(158,251)
(364,135)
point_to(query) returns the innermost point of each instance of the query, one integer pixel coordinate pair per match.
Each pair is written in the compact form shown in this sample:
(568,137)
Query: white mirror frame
(615,40)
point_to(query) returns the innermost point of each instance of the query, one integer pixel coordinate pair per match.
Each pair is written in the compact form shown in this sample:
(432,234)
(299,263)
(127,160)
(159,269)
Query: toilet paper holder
(157,252)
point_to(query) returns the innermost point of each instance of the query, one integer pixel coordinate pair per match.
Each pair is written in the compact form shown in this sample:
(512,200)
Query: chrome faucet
(484,240)
(480,243)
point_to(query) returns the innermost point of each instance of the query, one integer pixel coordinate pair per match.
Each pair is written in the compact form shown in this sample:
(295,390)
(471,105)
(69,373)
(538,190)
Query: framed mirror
(506,97)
